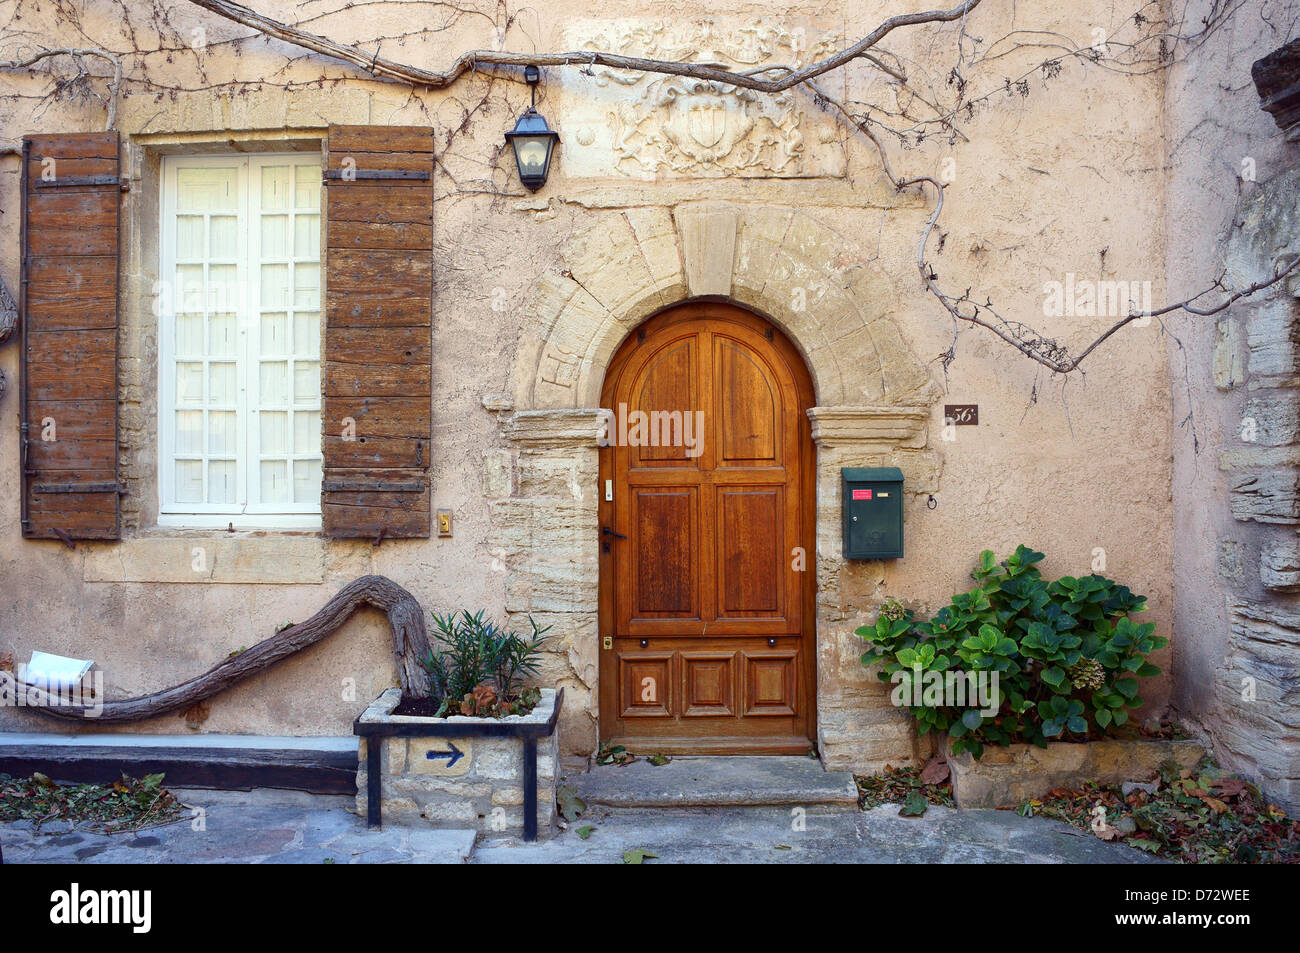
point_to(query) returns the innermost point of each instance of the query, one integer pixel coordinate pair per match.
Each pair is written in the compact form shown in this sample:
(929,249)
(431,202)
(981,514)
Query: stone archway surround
(873,408)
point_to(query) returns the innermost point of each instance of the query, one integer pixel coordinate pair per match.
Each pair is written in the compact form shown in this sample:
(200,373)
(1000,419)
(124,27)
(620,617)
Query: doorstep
(719,782)
(321,765)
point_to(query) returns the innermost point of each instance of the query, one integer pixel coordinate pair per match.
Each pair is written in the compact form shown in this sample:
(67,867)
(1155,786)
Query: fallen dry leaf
(1229,787)
(1214,804)
(935,771)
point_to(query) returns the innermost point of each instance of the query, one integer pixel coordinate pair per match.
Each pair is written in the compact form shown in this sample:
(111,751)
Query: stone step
(321,765)
(719,782)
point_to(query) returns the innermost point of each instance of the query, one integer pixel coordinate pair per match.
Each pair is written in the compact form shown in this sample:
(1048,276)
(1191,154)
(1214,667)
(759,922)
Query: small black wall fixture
(532,140)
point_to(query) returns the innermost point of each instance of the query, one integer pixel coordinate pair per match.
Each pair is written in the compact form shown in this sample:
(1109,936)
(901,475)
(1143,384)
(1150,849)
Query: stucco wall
(1068,180)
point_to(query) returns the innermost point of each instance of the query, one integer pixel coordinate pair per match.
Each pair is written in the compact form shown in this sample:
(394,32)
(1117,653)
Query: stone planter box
(495,775)
(1007,777)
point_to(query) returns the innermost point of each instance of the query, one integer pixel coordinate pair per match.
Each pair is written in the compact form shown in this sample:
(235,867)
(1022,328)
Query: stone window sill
(200,556)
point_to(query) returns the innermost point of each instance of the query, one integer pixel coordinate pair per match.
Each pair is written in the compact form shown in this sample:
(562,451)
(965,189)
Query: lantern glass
(531,152)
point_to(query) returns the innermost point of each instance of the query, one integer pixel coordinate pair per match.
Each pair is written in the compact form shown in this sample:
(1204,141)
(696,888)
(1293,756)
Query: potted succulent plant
(466,754)
(1033,681)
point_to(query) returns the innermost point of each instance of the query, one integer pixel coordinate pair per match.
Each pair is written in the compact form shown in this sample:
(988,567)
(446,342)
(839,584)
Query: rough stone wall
(819,242)
(1257,689)
(545,531)
(1008,777)
(1232,206)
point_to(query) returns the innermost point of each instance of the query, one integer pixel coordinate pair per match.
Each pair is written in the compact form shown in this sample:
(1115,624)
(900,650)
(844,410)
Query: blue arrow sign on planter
(453,755)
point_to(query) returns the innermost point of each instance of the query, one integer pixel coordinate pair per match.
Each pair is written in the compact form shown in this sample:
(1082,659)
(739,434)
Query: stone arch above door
(873,409)
(781,262)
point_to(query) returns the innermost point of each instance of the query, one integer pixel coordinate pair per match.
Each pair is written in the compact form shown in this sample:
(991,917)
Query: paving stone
(63,839)
(442,846)
(315,855)
(385,855)
(322,827)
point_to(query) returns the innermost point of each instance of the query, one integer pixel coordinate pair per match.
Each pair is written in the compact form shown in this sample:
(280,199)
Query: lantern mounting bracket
(532,140)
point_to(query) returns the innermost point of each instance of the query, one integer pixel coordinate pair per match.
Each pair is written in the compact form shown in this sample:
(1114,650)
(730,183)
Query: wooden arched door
(707,555)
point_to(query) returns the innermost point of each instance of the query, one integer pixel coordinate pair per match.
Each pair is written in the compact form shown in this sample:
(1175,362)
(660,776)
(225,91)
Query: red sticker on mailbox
(862,494)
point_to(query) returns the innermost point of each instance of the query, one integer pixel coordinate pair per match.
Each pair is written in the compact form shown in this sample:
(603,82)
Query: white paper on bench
(55,671)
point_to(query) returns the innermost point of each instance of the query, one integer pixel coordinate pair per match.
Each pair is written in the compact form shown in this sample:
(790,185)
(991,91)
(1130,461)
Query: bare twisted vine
(77,54)
(467,62)
(1051,354)
(1045,351)
(405,619)
(1148,52)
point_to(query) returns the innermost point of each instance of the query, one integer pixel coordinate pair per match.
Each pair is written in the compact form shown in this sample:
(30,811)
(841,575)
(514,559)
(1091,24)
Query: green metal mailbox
(873,512)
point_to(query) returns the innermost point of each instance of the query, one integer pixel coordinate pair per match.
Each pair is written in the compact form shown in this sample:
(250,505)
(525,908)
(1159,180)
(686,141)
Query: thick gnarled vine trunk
(410,647)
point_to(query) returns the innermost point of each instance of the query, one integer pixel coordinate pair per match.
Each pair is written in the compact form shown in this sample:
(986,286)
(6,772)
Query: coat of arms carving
(655,125)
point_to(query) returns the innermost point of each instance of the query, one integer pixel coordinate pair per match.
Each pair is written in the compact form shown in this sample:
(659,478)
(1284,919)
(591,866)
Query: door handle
(606,531)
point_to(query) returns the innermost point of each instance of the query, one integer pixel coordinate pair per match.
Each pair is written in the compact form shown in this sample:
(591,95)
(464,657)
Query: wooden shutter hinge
(373,486)
(105,487)
(350,175)
(70,181)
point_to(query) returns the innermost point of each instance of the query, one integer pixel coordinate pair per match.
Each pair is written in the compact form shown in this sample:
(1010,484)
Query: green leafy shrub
(475,663)
(1066,652)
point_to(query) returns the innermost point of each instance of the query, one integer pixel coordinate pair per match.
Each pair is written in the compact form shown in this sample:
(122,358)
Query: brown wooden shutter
(379,302)
(69,333)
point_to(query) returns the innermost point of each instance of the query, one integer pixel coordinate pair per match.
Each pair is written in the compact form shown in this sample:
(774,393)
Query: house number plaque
(962,415)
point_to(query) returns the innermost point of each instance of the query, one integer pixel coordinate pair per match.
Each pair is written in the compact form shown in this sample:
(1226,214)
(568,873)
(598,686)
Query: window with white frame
(239,322)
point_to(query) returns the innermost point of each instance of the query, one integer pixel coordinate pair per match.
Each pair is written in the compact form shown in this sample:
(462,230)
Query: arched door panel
(705,586)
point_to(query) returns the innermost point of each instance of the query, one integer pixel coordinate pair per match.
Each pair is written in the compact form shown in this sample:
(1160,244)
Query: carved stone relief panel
(647,125)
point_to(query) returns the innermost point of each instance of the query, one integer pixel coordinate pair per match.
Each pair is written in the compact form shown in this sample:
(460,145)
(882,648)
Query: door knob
(606,531)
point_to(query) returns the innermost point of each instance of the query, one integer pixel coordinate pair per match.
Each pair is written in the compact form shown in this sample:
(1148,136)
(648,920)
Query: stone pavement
(287,827)
(766,836)
(243,827)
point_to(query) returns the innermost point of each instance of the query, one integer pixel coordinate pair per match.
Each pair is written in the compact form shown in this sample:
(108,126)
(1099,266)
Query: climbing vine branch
(468,62)
(1158,40)
(1053,355)
(80,80)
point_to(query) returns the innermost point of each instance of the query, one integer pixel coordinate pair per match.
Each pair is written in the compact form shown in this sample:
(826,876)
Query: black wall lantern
(532,139)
